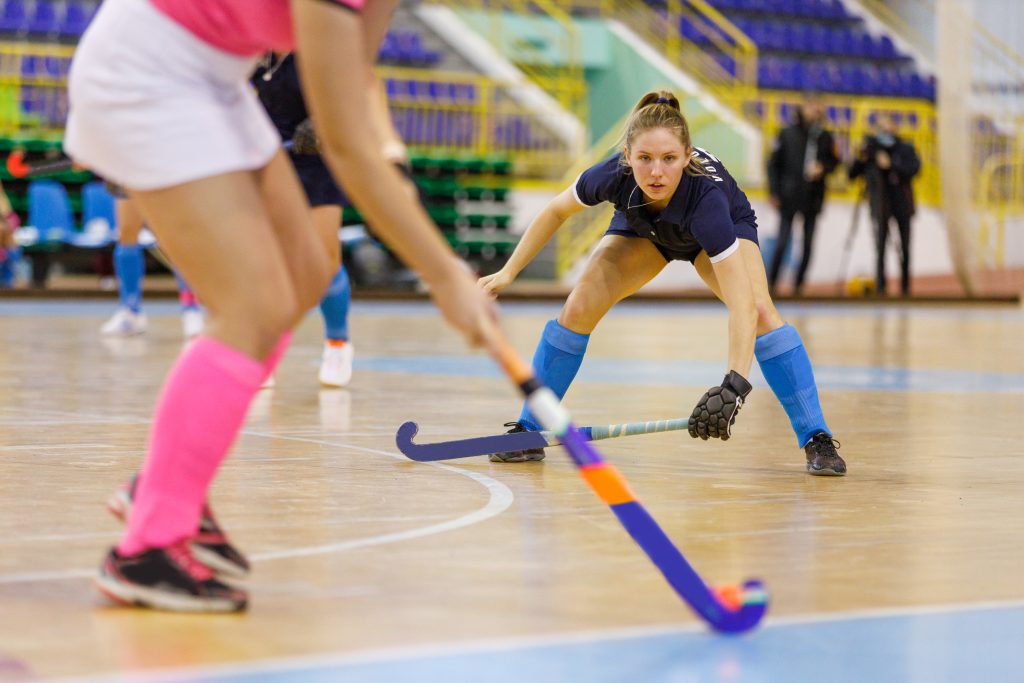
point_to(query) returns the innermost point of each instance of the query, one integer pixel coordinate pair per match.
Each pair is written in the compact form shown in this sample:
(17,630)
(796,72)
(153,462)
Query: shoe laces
(823,444)
(516,426)
(182,556)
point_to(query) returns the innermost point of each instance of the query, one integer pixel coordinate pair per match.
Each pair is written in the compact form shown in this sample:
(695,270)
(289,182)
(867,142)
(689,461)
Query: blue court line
(707,373)
(937,645)
(640,308)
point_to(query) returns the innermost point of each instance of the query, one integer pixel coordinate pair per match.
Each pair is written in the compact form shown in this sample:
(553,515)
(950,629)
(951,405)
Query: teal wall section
(617,76)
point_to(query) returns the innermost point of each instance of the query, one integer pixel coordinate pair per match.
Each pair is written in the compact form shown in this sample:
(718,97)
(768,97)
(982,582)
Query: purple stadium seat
(886,49)
(44,20)
(76,18)
(14,16)
(818,40)
(54,67)
(31,66)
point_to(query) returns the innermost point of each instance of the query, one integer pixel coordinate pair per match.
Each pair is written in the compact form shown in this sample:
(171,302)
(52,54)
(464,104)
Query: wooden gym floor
(369,567)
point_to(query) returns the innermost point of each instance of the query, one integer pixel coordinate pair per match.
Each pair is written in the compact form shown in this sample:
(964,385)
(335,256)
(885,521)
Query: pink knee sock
(198,416)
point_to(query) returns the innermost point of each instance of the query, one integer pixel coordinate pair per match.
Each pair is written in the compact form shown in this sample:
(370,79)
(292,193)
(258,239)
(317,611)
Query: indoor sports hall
(363,533)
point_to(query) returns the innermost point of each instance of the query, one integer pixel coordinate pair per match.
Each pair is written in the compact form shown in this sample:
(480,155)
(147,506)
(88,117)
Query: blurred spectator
(888,164)
(9,251)
(803,155)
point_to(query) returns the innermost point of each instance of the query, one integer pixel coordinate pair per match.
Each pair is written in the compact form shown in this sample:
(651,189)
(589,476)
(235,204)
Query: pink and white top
(240,27)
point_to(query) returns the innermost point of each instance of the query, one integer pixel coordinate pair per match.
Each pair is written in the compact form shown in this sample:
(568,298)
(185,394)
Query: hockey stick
(501,443)
(18,168)
(731,609)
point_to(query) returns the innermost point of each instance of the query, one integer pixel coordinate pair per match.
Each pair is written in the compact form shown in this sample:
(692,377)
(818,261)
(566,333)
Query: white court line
(499,499)
(432,651)
(55,447)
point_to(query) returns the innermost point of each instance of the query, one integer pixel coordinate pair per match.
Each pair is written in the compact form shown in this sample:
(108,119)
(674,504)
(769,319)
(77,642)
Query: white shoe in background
(336,364)
(125,323)
(192,322)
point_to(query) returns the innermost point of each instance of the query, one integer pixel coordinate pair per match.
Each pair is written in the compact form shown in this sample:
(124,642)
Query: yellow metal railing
(575,238)
(850,119)
(724,59)
(1000,202)
(552,58)
(454,113)
(460,113)
(33,97)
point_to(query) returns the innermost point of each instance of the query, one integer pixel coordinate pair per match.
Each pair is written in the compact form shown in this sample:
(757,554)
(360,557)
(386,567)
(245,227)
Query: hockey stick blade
(503,443)
(464,448)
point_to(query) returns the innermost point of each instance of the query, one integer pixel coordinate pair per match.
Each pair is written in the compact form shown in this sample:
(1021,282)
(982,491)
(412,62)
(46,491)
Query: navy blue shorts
(744,231)
(317,181)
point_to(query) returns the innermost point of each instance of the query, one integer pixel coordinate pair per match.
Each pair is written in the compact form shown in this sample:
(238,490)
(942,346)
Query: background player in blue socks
(130,268)
(277,82)
(673,202)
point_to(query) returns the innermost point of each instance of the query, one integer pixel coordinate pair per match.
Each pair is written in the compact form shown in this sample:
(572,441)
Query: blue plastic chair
(98,217)
(49,210)
(98,203)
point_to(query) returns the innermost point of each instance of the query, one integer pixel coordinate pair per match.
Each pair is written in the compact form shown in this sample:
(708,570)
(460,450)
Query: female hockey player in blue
(673,202)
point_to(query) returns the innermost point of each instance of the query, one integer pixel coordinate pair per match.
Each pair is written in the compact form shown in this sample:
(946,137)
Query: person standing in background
(888,165)
(802,157)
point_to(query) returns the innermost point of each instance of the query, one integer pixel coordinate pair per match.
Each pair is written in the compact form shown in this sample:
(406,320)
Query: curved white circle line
(499,499)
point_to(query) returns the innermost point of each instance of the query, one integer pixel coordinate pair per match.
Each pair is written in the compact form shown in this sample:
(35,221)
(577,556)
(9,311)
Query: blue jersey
(706,212)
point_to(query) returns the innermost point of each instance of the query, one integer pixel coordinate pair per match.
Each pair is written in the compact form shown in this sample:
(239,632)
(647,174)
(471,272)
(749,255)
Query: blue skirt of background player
(317,181)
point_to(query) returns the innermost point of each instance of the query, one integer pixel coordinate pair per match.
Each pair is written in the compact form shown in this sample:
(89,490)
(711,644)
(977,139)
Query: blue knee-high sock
(8,258)
(556,361)
(334,306)
(129,265)
(786,367)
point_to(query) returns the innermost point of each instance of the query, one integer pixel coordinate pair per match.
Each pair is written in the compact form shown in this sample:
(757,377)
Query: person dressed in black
(888,164)
(803,155)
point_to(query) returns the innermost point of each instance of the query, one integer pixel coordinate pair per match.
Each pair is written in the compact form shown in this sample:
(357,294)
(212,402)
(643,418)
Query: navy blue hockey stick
(502,443)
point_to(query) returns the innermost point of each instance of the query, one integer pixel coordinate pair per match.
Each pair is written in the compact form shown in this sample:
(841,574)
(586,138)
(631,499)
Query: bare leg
(619,267)
(768,317)
(228,236)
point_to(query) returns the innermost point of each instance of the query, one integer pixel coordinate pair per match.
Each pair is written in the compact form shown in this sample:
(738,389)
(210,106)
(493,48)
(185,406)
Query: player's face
(658,160)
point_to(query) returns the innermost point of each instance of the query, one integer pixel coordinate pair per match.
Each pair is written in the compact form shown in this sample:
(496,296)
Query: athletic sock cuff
(242,368)
(777,342)
(564,339)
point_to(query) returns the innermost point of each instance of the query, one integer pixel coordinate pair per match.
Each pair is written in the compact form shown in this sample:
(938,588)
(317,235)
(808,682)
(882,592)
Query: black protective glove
(716,411)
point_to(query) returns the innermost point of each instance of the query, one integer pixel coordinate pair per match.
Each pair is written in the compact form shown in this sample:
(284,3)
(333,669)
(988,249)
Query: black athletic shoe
(524,455)
(168,579)
(822,458)
(210,546)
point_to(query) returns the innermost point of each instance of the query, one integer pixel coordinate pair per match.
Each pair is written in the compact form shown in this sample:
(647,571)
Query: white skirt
(152,106)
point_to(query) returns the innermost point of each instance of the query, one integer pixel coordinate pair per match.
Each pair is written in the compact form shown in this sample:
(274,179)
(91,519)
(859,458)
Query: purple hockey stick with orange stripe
(728,610)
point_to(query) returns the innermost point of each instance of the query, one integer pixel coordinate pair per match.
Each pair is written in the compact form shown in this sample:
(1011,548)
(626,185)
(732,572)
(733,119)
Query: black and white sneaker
(210,546)
(168,579)
(823,459)
(524,455)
